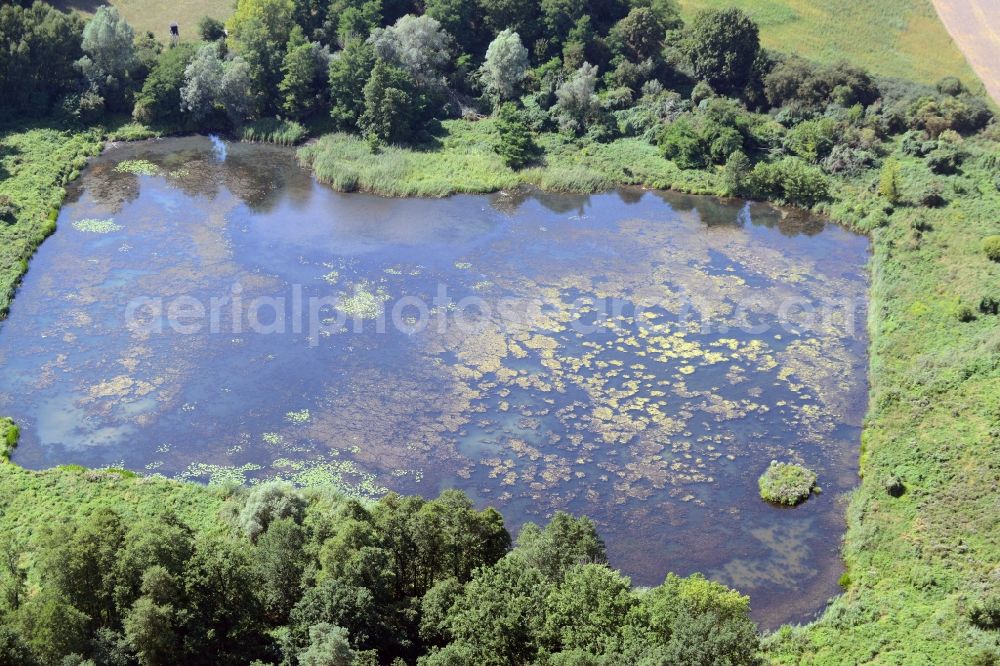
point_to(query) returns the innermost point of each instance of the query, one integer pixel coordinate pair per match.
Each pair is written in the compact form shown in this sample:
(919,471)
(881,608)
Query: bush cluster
(9,436)
(991,247)
(786,483)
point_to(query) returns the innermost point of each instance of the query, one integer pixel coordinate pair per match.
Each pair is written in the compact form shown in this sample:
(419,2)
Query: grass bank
(462,160)
(30,501)
(35,165)
(917,563)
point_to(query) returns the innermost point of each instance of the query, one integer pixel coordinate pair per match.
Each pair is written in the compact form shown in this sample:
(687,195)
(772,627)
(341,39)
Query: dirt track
(975,27)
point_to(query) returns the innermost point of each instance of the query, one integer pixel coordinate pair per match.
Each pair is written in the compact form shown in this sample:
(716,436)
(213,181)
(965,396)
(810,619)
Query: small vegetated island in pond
(296,550)
(787,483)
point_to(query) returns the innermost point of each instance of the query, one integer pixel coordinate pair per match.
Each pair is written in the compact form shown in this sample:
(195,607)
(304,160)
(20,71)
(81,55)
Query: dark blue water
(639,357)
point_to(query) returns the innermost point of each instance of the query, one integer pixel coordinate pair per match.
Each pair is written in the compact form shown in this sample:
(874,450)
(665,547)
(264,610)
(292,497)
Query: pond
(207,311)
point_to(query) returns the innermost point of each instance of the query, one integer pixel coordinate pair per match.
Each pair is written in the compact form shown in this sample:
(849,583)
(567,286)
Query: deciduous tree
(505,66)
(722,46)
(259,31)
(349,71)
(576,100)
(392,107)
(305,71)
(517,145)
(109,58)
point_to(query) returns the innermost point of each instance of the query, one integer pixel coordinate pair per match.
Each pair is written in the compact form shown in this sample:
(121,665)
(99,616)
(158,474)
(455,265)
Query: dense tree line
(306,577)
(707,93)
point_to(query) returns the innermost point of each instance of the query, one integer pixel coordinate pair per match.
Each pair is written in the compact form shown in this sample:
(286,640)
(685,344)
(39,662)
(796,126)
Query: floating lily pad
(94,226)
(137,167)
(363,303)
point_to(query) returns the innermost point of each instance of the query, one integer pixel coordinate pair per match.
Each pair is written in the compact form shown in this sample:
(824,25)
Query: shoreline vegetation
(934,391)
(915,167)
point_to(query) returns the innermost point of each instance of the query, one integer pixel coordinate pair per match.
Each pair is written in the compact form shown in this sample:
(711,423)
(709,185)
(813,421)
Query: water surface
(584,355)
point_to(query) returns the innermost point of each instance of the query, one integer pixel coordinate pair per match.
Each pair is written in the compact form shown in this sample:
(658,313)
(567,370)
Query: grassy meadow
(31,501)
(900,38)
(157,15)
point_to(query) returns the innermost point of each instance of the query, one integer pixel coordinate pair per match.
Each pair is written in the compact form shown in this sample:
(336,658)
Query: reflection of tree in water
(199,180)
(260,176)
(510,201)
(264,176)
(631,195)
(788,221)
(715,211)
(562,202)
(712,211)
(193,172)
(109,188)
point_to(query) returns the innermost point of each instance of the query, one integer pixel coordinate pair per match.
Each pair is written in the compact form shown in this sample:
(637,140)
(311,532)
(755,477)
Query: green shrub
(964,313)
(210,29)
(991,246)
(790,180)
(985,613)
(889,181)
(786,483)
(989,305)
(945,159)
(736,173)
(701,92)
(516,145)
(8,209)
(933,196)
(894,486)
(9,434)
(915,143)
(813,139)
(681,142)
(708,136)
(950,85)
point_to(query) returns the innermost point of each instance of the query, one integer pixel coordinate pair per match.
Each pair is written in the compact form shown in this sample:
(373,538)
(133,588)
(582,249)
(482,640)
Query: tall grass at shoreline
(35,165)
(347,164)
(274,130)
(463,161)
